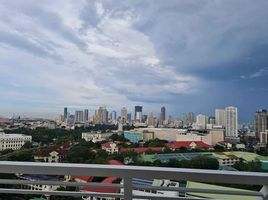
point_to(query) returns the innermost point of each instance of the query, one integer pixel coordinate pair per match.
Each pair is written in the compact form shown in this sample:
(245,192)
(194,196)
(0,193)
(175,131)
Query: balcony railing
(127,173)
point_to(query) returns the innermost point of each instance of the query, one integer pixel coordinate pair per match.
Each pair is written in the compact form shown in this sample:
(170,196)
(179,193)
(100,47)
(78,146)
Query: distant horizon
(191,56)
(51,116)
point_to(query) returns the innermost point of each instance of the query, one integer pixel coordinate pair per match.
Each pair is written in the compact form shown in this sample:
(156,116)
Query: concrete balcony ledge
(127,174)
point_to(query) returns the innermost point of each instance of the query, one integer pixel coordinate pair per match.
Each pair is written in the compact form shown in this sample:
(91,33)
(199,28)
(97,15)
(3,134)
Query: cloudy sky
(185,54)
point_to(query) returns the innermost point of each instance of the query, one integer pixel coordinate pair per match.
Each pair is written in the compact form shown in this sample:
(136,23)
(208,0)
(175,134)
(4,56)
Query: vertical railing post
(264,191)
(128,188)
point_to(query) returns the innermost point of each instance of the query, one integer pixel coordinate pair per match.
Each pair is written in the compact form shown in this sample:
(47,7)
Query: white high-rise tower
(220,117)
(231,122)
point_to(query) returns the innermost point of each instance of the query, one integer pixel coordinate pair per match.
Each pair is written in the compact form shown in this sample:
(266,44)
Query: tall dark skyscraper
(65,114)
(190,118)
(261,122)
(85,115)
(162,116)
(129,118)
(138,113)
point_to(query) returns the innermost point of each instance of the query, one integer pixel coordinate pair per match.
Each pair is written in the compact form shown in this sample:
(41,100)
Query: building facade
(202,121)
(13,141)
(261,122)
(123,115)
(138,113)
(264,137)
(133,137)
(65,114)
(162,116)
(103,115)
(79,116)
(85,115)
(231,122)
(220,117)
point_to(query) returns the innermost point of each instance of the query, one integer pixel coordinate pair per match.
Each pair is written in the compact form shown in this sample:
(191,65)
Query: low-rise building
(141,150)
(133,136)
(52,154)
(31,177)
(188,144)
(96,137)
(226,159)
(13,141)
(110,147)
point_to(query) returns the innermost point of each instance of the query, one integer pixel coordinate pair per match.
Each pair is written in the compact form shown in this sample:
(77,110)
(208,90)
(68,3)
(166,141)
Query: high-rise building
(113,115)
(71,119)
(144,118)
(162,116)
(138,113)
(202,121)
(129,118)
(190,118)
(79,116)
(65,114)
(103,115)
(85,115)
(123,115)
(150,119)
(220,117)
(264,137)
(231,122)
(261,122)
(211,120)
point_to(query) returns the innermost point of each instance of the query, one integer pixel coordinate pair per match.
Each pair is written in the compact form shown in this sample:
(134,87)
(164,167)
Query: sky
(186,55)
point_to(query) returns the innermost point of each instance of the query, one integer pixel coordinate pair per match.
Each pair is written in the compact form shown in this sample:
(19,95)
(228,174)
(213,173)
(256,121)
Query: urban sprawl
(194,141)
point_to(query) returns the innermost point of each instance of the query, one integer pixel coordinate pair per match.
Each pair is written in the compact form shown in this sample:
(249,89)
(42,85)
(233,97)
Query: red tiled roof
(106,145)
(83,178)
(60,148)
(109,180)
(178,144)
(142,149)
(115,162)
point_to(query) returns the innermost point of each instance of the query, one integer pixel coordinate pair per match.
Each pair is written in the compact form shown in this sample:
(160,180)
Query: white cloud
(119,53)
(261,72)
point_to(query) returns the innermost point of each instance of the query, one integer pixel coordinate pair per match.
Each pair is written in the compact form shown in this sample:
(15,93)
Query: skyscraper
(85,115)
(103,115)
(211,120)
(261,122)
(65,114)
(202,121)
(150,119)
(190,118)
(220,117)
(231,122)
(138,113)
(129,118)
(113,115)
(79,116)
(123,115)
(162,116)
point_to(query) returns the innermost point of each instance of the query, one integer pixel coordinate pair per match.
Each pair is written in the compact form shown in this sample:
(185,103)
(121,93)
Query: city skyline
(191,56)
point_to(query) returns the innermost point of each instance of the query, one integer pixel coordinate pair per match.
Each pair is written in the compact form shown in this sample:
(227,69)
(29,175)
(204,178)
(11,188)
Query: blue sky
(185,54)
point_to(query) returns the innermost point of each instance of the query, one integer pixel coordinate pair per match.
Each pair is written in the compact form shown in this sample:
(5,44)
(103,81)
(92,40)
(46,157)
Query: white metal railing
(127,173)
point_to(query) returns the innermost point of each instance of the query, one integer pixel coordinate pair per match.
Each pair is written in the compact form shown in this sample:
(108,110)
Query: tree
(253,166)
(80,154)
(25,155)
(155,143)
(117,137)
(27,145)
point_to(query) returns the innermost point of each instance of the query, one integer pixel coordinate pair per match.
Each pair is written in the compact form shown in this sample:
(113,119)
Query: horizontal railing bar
(157,197)
(61,183)
(197,175)
(197,190)
(59,193)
